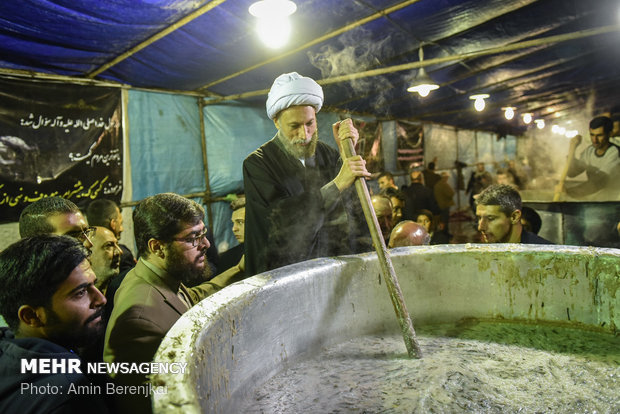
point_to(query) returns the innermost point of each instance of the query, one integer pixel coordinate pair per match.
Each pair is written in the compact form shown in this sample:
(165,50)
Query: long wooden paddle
(398,301)
(571,154)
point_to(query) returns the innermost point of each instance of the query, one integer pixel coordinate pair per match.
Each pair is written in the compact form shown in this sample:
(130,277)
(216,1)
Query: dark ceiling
(548,57)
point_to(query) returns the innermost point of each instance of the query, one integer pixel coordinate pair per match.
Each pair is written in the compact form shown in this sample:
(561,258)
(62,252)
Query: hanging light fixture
(423,83)
(478,99)
(509,112)
(273,26)
(527,118)
(540,123)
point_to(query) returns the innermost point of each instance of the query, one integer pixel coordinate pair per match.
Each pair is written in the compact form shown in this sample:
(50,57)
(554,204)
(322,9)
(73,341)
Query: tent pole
(205,163)
(456,187)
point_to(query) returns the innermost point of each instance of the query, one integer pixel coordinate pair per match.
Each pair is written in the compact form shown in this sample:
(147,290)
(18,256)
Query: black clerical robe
(292,213)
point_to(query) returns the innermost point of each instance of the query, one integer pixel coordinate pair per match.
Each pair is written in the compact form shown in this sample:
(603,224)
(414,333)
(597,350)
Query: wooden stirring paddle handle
(571,154)
(398,301)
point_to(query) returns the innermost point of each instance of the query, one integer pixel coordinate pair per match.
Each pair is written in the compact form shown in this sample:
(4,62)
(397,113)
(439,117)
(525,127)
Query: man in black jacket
(418,196)
(498,209)
(49,300)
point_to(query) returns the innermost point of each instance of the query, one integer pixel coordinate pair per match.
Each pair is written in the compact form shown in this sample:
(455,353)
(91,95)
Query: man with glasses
(55,215)
(172,245)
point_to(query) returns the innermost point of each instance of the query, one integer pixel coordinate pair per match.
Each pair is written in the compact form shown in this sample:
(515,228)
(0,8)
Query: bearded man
(172,244)
(50,301)
(299,200)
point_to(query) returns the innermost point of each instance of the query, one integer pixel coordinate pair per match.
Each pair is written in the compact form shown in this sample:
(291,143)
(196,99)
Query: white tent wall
(443,143)
(448,144)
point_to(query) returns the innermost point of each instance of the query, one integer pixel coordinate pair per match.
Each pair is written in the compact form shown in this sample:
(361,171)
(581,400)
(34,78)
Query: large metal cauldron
(246,333)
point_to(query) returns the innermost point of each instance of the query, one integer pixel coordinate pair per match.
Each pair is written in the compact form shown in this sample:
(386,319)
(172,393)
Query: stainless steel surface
(251,330)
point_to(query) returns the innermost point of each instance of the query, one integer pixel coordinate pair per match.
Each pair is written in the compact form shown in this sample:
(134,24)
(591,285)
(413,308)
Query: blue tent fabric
(232,133)
(165,147)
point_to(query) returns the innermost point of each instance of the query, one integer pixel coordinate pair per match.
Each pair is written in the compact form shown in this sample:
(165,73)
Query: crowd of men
(69,290)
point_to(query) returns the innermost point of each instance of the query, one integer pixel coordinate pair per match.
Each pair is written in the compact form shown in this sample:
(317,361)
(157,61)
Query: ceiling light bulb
(509,112)
(274,34)
(540,123)
(527,118)
(555,129)
(423,83)
(273,26)
(423,89)
(270,9)
(479,103)
(561,130)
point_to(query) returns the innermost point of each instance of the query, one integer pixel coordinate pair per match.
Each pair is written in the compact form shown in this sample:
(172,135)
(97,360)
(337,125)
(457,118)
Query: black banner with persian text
(58,139)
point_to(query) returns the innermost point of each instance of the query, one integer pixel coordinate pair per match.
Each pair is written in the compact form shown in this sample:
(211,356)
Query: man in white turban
(299,200)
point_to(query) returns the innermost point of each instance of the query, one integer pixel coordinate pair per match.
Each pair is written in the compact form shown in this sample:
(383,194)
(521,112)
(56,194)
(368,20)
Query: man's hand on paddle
(559,188)
(352,167)
(575,141)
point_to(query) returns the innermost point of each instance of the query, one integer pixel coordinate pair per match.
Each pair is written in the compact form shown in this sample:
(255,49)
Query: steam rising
(359,52)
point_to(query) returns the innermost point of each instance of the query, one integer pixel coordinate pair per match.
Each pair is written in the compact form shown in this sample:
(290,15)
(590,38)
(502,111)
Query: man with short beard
(105,261)
(105,257)
(172,244)
(299,200)
(49,299)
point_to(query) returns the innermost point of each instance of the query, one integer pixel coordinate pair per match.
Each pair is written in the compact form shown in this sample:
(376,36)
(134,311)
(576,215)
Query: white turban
(293,89)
